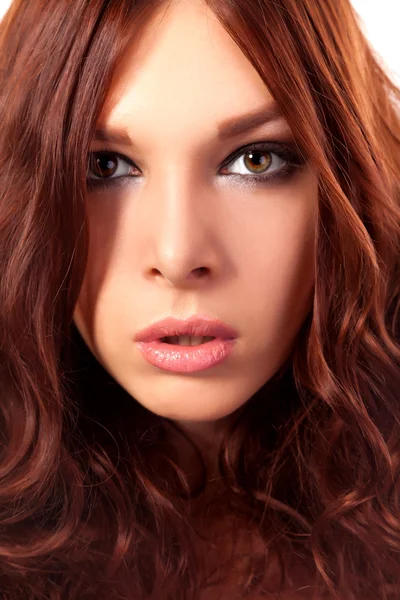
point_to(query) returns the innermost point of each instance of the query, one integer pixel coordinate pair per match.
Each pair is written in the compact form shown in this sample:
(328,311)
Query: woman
(214,174)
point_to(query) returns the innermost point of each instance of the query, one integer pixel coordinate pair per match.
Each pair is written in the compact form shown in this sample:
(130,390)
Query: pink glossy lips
(185,358)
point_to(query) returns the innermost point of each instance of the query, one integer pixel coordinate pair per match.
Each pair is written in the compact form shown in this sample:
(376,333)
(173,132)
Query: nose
(182,238)
(178,278)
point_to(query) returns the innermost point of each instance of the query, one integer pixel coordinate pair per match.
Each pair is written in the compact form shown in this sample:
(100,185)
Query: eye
(261,163)
(257,162)
(264,161)
(106,164)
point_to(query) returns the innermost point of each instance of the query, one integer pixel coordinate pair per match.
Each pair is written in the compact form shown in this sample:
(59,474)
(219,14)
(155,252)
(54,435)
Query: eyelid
(114,153)
(288,149)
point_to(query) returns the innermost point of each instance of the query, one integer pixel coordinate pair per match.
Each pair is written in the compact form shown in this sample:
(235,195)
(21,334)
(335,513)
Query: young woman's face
(189,233)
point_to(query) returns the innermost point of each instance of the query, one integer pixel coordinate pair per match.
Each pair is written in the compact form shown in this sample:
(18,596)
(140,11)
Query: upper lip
(197,325)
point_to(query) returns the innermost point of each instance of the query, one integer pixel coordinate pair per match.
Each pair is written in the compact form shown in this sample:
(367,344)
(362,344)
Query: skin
(178,81)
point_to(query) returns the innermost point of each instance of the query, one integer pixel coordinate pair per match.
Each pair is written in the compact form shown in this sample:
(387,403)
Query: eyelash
(294,161)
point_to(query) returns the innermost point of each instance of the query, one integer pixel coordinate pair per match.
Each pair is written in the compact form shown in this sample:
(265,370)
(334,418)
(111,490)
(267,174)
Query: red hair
(90,508)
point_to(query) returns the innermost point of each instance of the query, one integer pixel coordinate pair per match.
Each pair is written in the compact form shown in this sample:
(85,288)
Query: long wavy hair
(92,501)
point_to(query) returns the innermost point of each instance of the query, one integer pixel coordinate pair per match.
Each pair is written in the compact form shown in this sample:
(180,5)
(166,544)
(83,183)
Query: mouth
(186,340)
(194,331)
(187,345)
(186,354)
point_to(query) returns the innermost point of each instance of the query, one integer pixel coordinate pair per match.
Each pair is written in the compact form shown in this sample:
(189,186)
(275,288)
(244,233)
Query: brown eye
(257,161)
(103,164)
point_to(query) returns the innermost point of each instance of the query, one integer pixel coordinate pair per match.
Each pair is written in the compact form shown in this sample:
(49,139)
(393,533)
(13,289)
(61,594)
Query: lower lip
(186,359)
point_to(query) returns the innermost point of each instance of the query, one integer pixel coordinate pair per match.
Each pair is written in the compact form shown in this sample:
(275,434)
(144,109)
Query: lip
(197,325)
(186,359)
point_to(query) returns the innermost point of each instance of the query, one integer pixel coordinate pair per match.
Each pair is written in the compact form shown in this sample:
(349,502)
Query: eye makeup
(287,152)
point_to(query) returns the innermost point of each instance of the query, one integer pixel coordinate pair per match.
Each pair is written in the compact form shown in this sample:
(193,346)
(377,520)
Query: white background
(380,21)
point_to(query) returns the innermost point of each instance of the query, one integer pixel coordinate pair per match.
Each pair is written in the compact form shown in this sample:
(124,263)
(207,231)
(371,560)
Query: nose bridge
(179,220)
(174,194)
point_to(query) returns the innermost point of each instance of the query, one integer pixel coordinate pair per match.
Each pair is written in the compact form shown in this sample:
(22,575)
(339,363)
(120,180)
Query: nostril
(200,271)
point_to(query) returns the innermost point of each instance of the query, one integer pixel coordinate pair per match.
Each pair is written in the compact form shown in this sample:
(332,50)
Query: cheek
(277,254)
(103,233)
(292,272)
(277,280)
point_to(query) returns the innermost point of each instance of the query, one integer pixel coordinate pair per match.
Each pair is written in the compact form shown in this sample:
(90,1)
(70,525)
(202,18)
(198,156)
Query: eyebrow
(243,123)
(227,129)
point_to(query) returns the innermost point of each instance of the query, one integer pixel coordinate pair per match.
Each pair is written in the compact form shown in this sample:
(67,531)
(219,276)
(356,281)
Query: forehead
(183,68)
